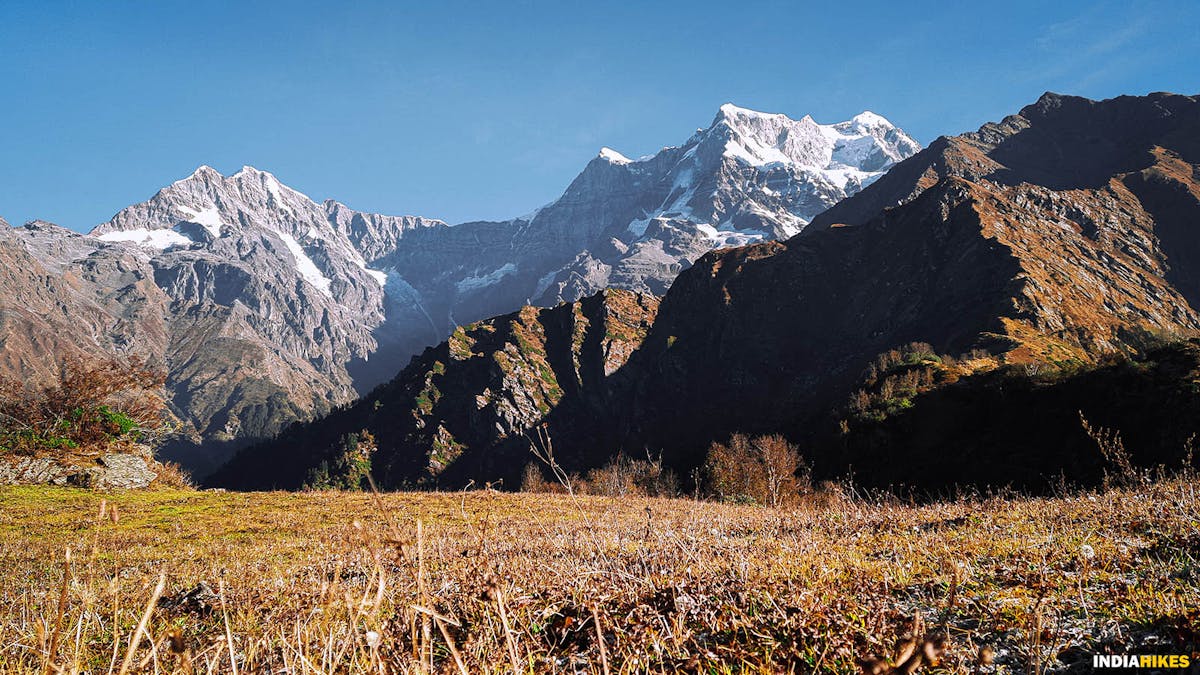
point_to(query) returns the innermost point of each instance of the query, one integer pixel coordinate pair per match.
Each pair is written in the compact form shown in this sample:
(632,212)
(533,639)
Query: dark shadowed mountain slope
(464,408)
(1018,424)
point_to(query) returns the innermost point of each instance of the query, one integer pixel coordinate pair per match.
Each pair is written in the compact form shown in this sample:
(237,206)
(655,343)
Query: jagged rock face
(265,307)
(66,295)
(464,409)
(262,301)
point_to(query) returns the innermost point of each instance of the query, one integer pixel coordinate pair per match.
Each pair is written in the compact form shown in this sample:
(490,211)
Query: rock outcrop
(112,471)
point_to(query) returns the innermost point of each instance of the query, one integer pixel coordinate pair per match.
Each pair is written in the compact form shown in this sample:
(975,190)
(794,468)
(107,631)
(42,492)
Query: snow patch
(790,229)
(159,240)
(401,293)
(613,156)
(208,216)
(543,284)
(869,119)
(356,257)
(470,284)
(731,110)
(846,177)
(305,265)
(728,238)
(273,188)
(754,153)
(638,227)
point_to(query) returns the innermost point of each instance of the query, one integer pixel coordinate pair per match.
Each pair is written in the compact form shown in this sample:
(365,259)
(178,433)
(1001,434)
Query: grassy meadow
(475,582)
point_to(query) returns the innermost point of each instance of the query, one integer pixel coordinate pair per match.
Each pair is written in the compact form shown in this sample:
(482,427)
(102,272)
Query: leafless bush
(623,477)
(93,405)
(767,470)
(542,448)
(1187,467)
(172,475)
(532,480)
(1116,457)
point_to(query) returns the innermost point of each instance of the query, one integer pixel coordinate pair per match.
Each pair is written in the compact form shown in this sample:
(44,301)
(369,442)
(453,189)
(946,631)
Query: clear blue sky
(488,110)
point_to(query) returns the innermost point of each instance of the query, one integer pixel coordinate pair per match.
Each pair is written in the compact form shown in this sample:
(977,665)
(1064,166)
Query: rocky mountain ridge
(469,406)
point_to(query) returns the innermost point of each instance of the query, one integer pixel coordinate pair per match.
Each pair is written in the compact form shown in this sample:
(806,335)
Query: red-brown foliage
(92,406)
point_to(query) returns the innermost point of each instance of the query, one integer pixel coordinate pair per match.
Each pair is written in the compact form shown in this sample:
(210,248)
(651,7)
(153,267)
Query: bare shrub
(611,480)
(766,470)
(827,495)
(542,448)
(624,477)
(172,475)
(532,480)
(728,470)
(1116,457)
(780,461)
(1187,467)
(93,406)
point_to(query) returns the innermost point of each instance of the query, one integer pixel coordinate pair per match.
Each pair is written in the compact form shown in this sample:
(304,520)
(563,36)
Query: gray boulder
(124,471)
(117,471)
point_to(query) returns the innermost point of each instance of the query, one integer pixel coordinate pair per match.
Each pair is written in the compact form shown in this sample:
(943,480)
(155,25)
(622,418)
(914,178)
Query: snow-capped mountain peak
(868,120)
(202,172)
(747,177)
(252,217)
(613,156)
(731,111)
(867,142)
(217,202)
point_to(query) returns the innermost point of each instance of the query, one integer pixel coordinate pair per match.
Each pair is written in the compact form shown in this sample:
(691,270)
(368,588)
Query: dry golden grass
(488,582)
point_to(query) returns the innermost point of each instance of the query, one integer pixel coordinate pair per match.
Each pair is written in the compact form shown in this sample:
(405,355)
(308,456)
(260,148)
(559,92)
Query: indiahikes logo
(1141,661)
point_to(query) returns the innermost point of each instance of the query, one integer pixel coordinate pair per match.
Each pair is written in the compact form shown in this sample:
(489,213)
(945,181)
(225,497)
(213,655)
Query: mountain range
(265,307)
(937,297)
